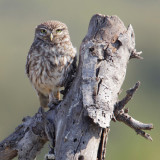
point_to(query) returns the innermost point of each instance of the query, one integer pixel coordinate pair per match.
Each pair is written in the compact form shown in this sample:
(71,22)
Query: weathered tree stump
(78,127)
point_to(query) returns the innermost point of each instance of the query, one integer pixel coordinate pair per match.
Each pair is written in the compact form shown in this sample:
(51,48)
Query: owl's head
(52,32)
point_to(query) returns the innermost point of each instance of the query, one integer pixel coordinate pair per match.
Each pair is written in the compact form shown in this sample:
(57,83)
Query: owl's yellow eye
(59,30)
(43,31)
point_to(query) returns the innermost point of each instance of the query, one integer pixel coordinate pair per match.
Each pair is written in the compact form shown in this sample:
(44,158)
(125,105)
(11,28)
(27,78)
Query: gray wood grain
(79,126)
(89,105)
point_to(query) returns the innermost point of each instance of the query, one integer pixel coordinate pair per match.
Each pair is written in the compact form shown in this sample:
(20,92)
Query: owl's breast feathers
(48,65)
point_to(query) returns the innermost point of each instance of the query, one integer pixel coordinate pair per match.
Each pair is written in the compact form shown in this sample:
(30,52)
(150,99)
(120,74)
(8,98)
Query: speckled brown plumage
(50,60)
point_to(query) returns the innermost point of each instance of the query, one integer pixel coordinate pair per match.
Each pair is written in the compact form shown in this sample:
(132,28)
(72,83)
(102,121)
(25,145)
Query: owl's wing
(27,65)
(70,76)
(28,61)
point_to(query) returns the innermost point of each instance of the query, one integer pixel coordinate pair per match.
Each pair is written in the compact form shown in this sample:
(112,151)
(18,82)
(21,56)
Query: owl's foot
(53,104)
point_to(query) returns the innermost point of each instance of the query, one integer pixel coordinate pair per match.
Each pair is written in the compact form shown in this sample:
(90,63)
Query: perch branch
(26,140)
(123,116)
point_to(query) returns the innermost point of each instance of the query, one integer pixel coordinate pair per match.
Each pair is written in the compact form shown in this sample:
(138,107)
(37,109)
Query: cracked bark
(78,127)
(27,140)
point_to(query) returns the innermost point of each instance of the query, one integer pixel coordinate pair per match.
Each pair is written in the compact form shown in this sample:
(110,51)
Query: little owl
(49,61)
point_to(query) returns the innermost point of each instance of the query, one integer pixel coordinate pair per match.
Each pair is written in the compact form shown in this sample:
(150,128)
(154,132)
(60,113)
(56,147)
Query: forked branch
(122,115)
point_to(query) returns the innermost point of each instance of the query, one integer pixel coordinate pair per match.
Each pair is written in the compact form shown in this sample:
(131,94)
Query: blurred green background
(18,19)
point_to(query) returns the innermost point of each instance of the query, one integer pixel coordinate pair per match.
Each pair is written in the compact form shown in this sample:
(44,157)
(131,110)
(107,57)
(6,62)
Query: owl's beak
(51,36)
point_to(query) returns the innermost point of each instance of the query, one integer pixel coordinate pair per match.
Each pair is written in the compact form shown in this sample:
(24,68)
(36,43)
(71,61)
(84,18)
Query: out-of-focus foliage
(18,19)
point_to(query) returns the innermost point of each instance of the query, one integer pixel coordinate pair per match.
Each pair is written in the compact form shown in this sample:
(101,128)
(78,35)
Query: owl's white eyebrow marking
(60,28)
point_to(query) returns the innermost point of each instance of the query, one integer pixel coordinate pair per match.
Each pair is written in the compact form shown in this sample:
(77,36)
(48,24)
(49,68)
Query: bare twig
(120,105)
(144,134)
(136,125)
(123,116)
(135,54)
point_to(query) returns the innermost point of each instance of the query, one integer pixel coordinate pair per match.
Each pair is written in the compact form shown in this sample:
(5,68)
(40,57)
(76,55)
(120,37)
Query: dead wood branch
(79,126)
(123,116)
(27,140)
(120,105)
(135,54)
